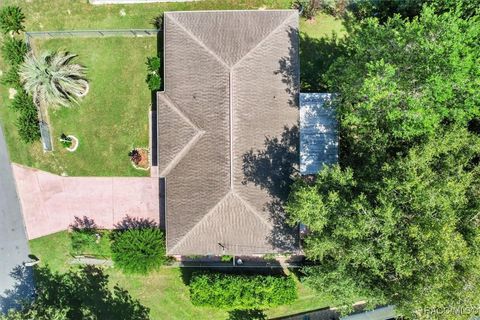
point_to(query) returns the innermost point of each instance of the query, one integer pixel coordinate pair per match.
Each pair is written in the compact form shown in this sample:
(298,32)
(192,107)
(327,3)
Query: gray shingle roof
(231,78)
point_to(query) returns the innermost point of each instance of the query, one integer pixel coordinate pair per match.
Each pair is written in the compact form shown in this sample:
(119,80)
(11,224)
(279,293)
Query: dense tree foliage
(402,81)
(83,294)
(397,220)
(241,292)
(384,9)
(139,250)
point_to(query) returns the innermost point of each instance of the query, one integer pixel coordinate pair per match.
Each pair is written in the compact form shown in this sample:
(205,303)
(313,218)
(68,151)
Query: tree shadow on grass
(316,56)
(22,290)
(85,294)
(247,315)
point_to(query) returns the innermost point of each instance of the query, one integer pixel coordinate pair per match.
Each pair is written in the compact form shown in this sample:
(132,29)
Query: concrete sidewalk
(16,281)
(50,202)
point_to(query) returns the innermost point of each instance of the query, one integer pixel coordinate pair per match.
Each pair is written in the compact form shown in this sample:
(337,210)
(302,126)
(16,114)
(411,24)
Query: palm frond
(53,79)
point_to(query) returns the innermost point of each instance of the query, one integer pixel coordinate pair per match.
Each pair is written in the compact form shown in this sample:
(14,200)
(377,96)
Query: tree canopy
(397,220)
(82,294)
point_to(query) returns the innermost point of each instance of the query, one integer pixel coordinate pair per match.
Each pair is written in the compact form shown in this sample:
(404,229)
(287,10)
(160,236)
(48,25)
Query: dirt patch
(143,163)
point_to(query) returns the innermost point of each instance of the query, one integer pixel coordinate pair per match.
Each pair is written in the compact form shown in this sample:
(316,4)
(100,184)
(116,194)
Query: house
(228,130)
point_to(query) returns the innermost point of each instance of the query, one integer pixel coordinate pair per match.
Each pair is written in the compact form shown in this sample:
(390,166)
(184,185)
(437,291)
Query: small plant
(270,257)
(22,101)
(157,22)
(226,258)
(153,64)
(11,78)
(14,50)
(84,235)
(27,122)
(28,125)
(65,141)
(135,156)
(153,80)
(138,250)
(11,19)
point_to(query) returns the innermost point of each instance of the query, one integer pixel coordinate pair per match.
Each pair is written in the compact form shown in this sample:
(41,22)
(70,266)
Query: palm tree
(52,79)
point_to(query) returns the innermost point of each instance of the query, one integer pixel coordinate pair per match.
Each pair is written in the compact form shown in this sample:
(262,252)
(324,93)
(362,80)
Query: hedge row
(13,51)
(241,292)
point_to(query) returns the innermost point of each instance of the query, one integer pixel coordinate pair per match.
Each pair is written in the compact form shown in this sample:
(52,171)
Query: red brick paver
(50,202)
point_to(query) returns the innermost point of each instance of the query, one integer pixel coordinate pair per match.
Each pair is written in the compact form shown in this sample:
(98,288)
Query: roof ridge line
(179,156)
(264,39)
(251,209)
(203,45)
(164,96)
(187,147)
(209,213)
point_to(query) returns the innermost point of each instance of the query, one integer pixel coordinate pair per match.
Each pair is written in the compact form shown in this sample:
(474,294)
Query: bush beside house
(241,292)
(138,250)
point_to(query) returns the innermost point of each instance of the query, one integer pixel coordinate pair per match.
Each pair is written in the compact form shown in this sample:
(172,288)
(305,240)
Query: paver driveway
(50,202)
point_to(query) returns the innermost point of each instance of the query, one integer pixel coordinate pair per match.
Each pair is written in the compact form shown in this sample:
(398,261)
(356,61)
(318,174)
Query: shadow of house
(273,169)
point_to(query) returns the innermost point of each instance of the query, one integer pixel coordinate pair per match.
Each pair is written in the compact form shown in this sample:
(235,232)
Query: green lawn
(113,117)
(109,122)
(322,26)
(164,291)
(78,14)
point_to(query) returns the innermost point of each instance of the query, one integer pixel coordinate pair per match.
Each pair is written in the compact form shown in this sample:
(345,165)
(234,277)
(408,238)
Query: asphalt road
(16,281)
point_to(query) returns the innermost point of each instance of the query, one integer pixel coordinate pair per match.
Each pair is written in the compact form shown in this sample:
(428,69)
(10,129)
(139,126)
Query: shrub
(154,82)
(22,101)
(153,76)
(84,235)
(241,292)
(65,140)
(27,123)
(226,258)
(11,19)
(138,250)
(11,78)
(28,126)
(135,156)
(14,50)
(153,64)
(134,223)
